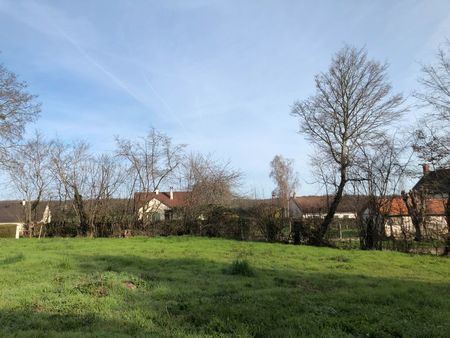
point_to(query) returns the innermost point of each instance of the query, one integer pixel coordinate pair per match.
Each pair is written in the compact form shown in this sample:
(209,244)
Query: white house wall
(401,226)
(340,215)
(155,209)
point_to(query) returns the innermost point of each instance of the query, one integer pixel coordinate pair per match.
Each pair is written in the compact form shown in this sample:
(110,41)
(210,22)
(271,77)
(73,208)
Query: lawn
(190,287)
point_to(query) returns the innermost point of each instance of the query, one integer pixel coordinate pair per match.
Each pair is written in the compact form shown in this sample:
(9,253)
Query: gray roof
(435,182)
(11,212)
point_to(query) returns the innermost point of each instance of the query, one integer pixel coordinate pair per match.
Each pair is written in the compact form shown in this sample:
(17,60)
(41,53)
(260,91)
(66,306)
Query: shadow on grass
(12,259)
(40,324)
(179,297)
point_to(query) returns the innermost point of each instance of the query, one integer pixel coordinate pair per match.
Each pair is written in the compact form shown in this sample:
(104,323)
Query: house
(435,184)
(433,187)
(317,206)
(13,213)
(398,222)
(160,206)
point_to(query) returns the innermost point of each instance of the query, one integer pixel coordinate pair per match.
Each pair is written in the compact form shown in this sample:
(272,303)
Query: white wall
(400,226)
(154,209)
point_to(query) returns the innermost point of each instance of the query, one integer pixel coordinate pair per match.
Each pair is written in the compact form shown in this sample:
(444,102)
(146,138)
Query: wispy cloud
(36,16)
(167,107)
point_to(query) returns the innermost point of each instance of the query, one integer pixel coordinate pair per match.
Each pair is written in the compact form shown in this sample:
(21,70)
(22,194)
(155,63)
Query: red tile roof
(397,207)
(179,198)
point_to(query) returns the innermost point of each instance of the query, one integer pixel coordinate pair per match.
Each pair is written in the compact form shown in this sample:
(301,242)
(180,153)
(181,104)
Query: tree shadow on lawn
(33,323)
(178,297)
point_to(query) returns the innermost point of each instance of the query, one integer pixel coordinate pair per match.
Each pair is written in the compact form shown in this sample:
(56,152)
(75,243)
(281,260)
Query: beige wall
(154,209)
(401,226)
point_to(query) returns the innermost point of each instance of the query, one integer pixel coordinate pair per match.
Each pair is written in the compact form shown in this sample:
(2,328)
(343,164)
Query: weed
(94,285)
(240,267)
(340,258)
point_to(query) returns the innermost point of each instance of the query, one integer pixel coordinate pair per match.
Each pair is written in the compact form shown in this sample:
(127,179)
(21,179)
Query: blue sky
(220,75)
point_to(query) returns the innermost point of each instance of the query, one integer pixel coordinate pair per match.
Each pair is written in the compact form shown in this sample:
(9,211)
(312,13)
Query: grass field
(198,287)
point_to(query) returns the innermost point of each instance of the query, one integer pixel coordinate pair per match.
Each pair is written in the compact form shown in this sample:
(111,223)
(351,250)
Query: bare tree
(210,182)
(416,203)
(350,111)
(104,179)
(432,136)
(17,108)
(324,172)
(382,170)
(152,160)
(286,180)
(28,166)
(70,169)
(435,81)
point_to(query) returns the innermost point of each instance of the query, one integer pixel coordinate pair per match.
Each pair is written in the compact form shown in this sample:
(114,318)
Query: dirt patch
(129,285)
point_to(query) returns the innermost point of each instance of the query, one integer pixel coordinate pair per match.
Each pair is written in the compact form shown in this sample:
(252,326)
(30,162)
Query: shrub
(240,267)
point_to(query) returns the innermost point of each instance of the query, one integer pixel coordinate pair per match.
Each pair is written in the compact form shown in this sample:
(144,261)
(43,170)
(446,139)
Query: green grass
(7,230)
(198,287)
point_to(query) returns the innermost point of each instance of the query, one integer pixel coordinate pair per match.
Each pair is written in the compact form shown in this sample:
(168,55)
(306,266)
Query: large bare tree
(17,108)
(351,109)
(153,160)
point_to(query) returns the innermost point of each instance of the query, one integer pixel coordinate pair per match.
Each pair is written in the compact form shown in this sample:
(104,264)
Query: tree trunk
(319,240)
(447,216)
(414,204)
(78,204)
(297,225)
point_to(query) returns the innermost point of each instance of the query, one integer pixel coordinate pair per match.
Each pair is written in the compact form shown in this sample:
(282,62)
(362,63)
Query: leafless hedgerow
(350,111)
(87,181)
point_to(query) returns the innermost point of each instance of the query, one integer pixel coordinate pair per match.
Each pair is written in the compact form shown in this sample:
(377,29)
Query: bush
(270,221)
(171,228)
(240,267)
(61,229)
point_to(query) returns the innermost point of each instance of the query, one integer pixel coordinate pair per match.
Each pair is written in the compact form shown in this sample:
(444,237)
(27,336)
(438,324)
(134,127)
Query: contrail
(114,78)
(122,84)
(166,106)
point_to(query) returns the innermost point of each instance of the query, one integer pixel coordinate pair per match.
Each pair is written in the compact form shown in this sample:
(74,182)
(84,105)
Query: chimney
(426,168)
(156,191)
(171,193)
